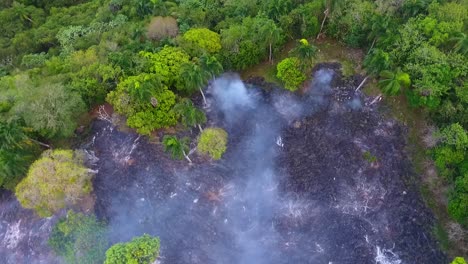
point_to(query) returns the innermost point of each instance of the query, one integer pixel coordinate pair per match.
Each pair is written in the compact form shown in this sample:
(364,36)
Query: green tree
(145,101)
(391,83)
(288,70)
(305,52)
(56,180)
(203,39)
(17,152)
(213,142)
(460,43)
(50,109)
(455,135)
(79,238)
(95,81)
(167,63)
(189,115)
(141,250)
(192,78)
(177,147)
(273,35)
(210,66)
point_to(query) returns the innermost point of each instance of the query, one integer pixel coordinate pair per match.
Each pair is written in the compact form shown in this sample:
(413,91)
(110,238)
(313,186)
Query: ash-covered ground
(316,178)
(320,177)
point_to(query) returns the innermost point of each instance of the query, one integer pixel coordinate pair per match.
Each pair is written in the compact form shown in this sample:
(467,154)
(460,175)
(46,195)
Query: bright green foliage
(391,83)
(189,115)
(213,142)
(141,250)
(454,135)
(289,72)
(56,180)
(176,147)
(167,63)
(203,39)
(79,238)
(145,101)
(17,152)
(93,82)
(458,260)
(50,109)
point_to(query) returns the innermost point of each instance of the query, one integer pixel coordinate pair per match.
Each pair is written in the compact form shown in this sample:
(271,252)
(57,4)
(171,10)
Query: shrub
(289,72)
(203,38)
(141,250)
(213,141)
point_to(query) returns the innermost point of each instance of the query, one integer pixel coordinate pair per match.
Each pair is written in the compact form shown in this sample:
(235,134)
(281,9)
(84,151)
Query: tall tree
(272,35)
(305,52)
(56,180)
(192,78)
(190,115)
(211,66)
(392,82)
(460,43)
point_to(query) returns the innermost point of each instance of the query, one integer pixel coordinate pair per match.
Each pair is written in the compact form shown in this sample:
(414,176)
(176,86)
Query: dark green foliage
(79,238)
(248,42)
(141,250)
(189,115)
(17,152)
(176,147)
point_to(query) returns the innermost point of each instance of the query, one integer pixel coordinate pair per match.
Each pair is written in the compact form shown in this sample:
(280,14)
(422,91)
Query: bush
(59,178)
(213,141)
(141,250)
(289,72)
(204,39)
(458,260)
(79,239)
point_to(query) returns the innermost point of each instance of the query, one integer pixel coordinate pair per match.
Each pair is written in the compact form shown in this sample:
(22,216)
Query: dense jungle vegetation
(59,59)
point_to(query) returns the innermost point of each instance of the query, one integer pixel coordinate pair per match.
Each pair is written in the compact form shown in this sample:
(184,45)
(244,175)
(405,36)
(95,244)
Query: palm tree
(461,43)
(211,66)
(193,77)
(190,115)
(392,82)
(305,52)
(272,35)
(22,12)
(177,148)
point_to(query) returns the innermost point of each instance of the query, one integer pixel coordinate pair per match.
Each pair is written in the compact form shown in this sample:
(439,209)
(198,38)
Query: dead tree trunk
(372,46)
(270,57)
(362,83)
(186,157)
(323,22)
(203,95)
